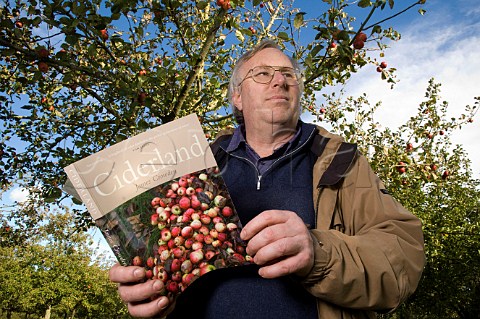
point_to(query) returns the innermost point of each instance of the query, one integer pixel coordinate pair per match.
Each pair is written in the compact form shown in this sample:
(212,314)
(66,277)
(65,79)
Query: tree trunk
(48,312)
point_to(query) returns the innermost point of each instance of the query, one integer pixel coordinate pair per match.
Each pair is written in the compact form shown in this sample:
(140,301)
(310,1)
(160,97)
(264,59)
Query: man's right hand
(142,297)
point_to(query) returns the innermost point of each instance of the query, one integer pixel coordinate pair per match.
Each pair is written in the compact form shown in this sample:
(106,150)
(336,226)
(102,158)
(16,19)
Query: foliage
(54,270)
(77,76)
(432,178)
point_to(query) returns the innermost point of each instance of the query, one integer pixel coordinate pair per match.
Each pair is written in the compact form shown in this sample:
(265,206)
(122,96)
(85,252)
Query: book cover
(161,203)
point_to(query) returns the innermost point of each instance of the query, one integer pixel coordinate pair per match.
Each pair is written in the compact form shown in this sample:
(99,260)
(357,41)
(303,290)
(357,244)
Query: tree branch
(200,62)
(395,15)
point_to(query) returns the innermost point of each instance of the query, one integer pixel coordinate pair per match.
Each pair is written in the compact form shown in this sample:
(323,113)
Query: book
(160,202)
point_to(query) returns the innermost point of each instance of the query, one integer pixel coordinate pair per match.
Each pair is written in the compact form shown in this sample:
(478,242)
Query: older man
(327,239)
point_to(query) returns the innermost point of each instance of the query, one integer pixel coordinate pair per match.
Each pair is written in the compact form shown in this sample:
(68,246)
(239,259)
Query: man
(327,239)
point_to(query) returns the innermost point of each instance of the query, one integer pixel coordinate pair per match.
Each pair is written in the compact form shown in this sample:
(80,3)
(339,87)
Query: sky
(444,44)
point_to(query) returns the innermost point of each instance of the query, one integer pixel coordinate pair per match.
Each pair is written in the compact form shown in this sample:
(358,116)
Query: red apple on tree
(43,66)
(104,34)
(361,36)
(445,174)
(357,44)
(43,53)
(401,167)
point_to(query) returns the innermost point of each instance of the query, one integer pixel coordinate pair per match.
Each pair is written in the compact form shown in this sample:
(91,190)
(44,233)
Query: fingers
(263,220)
(149,309)
(280,242)
(143,297)
(141,291)
(120,274)
(283,267)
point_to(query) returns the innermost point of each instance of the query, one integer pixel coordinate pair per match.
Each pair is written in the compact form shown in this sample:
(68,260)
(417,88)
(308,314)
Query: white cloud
(18,195)
(438,46)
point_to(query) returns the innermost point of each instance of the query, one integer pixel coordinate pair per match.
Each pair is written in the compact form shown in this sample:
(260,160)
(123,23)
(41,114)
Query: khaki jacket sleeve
(376,262)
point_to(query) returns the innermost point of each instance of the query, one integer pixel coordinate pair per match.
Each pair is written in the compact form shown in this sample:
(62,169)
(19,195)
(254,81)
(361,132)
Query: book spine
(83,191)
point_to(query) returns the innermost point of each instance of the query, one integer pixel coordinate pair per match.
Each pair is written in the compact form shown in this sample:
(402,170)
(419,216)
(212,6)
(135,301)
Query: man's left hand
(280,243)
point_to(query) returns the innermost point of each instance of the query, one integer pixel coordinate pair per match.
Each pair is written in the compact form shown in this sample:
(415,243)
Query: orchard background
(77,76)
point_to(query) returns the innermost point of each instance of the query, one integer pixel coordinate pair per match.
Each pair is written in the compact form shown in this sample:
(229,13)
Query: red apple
(357,44)
(227,211)
(184,203)
(196,256)
(361,37)
(43,66)
(445,174)
(206,268)
(172,286)
(401,167)
(137,261)
(187,231)
(43,53)
(150,262)
(104,34)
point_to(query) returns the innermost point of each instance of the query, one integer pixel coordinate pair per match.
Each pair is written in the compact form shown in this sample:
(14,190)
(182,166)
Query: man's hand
(142,298)
(280,242)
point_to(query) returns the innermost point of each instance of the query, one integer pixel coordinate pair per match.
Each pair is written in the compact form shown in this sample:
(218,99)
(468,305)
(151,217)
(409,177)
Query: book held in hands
(161,203)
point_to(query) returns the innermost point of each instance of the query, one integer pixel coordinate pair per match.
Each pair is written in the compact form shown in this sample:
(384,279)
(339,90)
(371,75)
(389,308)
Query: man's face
(274,103)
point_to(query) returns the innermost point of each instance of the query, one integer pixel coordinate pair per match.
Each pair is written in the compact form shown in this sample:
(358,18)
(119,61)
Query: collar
(238,138)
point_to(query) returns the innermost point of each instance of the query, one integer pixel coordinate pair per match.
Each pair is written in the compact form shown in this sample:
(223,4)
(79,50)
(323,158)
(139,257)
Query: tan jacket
(370,252)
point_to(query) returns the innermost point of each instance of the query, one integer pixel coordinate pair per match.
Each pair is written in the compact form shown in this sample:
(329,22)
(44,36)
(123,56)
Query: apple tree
(432,178)
(77,76)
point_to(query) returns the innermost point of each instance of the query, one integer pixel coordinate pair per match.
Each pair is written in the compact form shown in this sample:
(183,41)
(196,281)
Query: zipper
(259,176)
(284,156)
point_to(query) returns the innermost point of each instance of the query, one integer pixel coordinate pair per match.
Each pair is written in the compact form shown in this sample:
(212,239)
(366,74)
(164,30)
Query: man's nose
(278,78)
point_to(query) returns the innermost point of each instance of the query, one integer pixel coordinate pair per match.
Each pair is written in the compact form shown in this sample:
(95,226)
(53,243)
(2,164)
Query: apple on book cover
(161,203)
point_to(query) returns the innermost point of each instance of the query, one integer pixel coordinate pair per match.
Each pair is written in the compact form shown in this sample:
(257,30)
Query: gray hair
(235,79)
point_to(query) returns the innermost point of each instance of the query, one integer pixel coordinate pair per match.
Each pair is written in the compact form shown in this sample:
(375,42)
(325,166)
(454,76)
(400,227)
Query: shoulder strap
(335,157)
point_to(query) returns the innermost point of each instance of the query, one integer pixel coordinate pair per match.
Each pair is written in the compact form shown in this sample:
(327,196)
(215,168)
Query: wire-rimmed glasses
(264,74)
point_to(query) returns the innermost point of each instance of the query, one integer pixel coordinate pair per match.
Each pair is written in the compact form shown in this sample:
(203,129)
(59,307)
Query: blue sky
(444,44)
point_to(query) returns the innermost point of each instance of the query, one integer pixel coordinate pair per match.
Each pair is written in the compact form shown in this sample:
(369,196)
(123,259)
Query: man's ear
(237,99)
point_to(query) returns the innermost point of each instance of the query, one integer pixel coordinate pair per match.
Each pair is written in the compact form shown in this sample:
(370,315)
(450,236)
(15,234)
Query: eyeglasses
(264,74)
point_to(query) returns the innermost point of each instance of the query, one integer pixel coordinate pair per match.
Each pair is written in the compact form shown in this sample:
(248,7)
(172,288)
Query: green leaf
(201,5)
(283,36)
(316,49)
(72,39)
(391,3)
(76,201)
(377,29)
(239,35)
(422,11)
(364,3)
(257,2)
(298,21)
